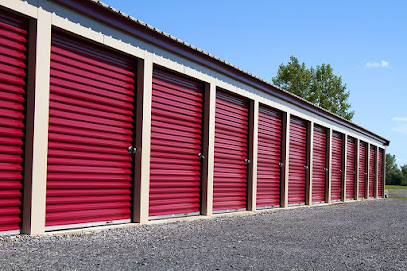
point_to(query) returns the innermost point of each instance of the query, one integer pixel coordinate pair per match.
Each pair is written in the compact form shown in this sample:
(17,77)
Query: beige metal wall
(46,15)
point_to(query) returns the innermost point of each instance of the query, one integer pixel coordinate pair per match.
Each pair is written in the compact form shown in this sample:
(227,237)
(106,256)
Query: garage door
(231,142)
(269,158)
(297,161)
(176,141)
(372,171)
(380,170)
(319,168)
(90,129)
(362,169)
(336,174)
(350,168)
(13,60)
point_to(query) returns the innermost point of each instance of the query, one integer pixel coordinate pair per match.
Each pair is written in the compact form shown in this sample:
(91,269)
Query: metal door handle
(306,167)
(280,164)
(201,156)
(131,150)
(325,169)
(246,161)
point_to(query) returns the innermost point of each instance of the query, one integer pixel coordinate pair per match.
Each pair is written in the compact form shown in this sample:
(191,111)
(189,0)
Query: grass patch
(405,198)
(396,187)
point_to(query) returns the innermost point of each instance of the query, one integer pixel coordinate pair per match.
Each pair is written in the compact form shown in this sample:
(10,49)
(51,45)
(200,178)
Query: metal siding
(231,150)
(269,157)
(350,168)
(13,63)
(176,141)
(372,171)
(89,175)
(362,169)
(319,167)
(381,173)
(336,170)
(297,161)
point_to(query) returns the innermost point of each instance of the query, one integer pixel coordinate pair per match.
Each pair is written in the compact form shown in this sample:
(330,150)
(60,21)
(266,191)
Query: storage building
(107,120)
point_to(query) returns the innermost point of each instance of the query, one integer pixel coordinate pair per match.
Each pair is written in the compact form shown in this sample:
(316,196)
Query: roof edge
(114,18)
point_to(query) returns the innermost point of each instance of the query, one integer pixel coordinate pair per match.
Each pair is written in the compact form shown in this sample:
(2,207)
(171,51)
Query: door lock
(131,150)
(201,156)
(246,161)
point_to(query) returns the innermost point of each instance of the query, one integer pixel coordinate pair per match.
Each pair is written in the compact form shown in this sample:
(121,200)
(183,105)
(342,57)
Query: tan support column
(253,136)
(344,161)
(143,140)
(329,163)
(310,152)
(37,125)
(285,160)
(376,179)
(209,148)
(384,171)
(367,171)
(357,142)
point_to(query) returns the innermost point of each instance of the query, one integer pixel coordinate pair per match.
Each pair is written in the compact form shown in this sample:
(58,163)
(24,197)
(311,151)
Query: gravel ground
(367,235)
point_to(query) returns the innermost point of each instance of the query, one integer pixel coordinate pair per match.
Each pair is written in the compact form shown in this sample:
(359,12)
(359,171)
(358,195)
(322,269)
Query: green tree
(393,173)
(317,85)
(404,174)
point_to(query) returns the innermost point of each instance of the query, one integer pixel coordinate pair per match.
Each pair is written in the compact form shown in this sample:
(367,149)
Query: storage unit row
(129,142)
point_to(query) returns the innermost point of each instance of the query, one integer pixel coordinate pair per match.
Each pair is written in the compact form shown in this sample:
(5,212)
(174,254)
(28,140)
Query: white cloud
(380,64)
(400,118)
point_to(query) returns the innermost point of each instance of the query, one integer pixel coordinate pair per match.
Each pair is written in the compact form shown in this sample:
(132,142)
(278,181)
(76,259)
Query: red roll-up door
(362,169)
(89,176)
(336,170)
(372,171)
(231,143)
(176,141)
(297,161)
(269,157)
(319,167)
(380,170)
(350,168)
(13,62)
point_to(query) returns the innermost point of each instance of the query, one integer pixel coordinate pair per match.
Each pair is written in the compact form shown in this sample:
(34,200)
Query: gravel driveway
(368,235)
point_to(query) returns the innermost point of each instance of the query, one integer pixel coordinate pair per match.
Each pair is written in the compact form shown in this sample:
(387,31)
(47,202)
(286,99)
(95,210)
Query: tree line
(395,175)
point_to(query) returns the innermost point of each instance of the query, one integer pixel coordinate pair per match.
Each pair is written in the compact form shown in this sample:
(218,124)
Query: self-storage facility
(106,120)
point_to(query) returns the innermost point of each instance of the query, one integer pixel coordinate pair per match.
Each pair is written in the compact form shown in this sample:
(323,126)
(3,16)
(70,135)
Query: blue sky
(364,41)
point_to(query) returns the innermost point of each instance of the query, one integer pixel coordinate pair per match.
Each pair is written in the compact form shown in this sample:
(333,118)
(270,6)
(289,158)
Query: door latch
(306,167)
(201,156)
(280,165)
(131,150)
(325,169)
(246,161)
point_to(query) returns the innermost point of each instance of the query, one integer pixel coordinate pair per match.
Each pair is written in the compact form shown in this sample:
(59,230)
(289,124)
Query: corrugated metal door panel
(372,170)
(362,169)
(297,161)
(381,173)
(350,168)
(336,170)
(269,157)
(176,141)
(89,176)
(231,147)
(13,62)
(319,167)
